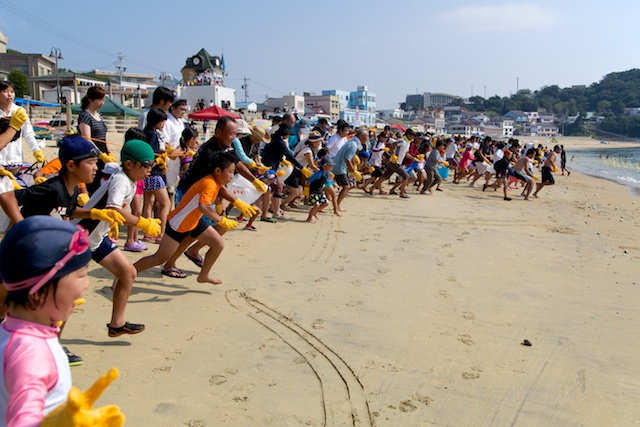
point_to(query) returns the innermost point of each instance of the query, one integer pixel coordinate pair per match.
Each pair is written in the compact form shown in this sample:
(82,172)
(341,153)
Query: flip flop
(197,261)
(175,273)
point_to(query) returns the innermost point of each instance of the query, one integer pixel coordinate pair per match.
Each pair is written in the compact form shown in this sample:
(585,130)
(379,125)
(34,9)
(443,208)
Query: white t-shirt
(452,149)
(119,191)
(376,153)
(173,131)
(12,153)
(497,155)
(300,155)
(335,143)
(402,149)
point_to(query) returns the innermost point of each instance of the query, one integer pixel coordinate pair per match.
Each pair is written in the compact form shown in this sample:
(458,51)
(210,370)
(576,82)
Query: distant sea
(621,165)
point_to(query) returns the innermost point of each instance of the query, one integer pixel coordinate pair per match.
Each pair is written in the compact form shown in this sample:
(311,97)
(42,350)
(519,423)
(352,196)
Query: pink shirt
(466,158)
(35,375)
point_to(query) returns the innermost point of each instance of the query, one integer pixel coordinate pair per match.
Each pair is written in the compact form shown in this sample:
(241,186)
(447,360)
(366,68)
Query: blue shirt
(347,152)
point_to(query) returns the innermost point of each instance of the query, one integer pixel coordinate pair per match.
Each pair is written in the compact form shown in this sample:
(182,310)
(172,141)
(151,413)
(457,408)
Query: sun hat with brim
(137,151)
(259,132)
(36,246)
(315,136)
(243,127)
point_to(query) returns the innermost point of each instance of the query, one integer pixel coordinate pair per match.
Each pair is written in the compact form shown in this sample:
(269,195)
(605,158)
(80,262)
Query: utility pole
(245,86)
(517,84)
(120,66)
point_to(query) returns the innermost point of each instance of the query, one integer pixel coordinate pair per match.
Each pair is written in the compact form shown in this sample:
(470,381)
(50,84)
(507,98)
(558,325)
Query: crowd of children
(187,207)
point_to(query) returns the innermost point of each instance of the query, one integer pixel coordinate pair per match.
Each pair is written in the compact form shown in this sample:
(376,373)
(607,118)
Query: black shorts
(395,168)
(377,172)
(294,179)
(547,176)
(342,180)
(179,237)
(502,168)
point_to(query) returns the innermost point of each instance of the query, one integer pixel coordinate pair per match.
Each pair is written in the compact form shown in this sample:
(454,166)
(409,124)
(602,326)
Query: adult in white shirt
(338,139)
(162,98)
(173,132)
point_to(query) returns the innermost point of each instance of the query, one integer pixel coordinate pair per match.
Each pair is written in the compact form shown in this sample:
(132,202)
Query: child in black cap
(43,266)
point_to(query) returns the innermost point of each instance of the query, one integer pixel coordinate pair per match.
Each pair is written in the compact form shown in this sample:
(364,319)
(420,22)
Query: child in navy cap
(43,266)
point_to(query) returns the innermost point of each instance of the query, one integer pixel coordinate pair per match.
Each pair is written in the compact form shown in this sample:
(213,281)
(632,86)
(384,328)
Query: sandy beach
(399,313)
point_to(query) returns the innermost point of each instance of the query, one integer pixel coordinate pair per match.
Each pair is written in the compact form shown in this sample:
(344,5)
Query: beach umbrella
(212,113)
(263,123)
(399,127)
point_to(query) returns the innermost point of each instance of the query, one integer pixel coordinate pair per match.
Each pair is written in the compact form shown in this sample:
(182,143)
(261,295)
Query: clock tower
(202,64)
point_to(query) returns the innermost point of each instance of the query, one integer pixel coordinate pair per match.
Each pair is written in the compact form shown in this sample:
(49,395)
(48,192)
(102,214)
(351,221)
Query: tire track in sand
(343,399)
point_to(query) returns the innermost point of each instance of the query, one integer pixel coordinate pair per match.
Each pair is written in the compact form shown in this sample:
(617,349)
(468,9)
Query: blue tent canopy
(20,101)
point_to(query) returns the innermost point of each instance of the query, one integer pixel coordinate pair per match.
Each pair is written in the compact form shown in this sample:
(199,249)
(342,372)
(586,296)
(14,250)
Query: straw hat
(243,127)
(315,136)
(259,133)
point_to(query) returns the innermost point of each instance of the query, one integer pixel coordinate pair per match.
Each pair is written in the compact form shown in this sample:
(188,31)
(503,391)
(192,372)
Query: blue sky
(393,47)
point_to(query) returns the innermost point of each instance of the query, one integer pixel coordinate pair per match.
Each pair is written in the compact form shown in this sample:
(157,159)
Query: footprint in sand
(470,375)
(163,369)
(468,315)
(321,279)
(376,234)
(383,270)
(452,279)
(443,293)
(423,399)
(195,423)
(363,249)
(466,339)
(340,268)
(446,245)
(383,257)
(217,380)
(407,406)
(354,303)
(318,324)
(364,240)
(356,282)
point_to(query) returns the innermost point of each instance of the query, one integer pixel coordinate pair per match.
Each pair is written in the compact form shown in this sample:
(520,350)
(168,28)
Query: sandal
(197,261)
(127,328)
(268,220)
(176,273)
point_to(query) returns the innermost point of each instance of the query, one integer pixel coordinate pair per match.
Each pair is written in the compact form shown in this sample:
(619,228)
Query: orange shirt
(186,215)
(53,168)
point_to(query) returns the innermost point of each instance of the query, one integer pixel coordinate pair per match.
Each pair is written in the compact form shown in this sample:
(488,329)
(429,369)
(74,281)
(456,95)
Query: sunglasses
(78,245)
(94,152)
(147,164)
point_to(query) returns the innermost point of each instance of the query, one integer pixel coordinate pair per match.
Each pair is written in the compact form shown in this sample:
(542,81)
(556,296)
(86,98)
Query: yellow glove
(420,157)
(371,169)
(355,160)
(555,168)
(83,198)
(109,215)
(107,157)
(190,153)
(306,172)
(260,186)
(535,177)
(219,208)
(246,209)
(286,163)
(150,226)
(4,172)
(445,164)
(18,118)
(161,161)
(227,224)
(386,149)
(78,409)
(357,175)
(332,175)
(263,169)
(280,173)
(39,156)
(394,158)
(252,165)
(39,180)
(114,231)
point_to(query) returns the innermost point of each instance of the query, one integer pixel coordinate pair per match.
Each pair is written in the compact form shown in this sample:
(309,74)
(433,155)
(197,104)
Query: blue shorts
(105,248)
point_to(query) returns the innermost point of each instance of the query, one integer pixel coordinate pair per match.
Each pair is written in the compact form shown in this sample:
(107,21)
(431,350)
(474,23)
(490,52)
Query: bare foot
(311,220)
(336,213)
(209,280)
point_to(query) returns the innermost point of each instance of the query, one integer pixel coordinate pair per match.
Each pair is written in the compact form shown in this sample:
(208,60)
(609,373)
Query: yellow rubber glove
(394,158)
(332,175)
(286,163)
(78,409)
(555,168)
(39,180)
(535,178)
(18,118)
(190,154)
(161,161)
(114,231)
(386,149)
(246,209)
(263,169)
(260,186)
(109,215)
(39,156)
(306,172)
(107,157)
(306,191)
(357,175)
(83,198)
(420,157)
(219,208)
(252,165)
(371,169)
(355,160)
(445,164)
(4,172)
(280,173)
(227,224)
(150,226)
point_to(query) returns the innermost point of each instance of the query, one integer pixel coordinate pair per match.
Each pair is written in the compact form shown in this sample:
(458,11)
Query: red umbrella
(212,113)
(395,126)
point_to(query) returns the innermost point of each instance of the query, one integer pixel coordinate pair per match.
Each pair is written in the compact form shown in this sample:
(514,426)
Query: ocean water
(621,165)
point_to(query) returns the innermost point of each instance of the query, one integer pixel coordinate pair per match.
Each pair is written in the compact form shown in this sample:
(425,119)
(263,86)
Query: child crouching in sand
(186,220)
(43,265)
(316,188)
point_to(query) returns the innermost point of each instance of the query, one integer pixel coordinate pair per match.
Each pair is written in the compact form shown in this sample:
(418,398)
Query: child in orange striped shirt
(186,220)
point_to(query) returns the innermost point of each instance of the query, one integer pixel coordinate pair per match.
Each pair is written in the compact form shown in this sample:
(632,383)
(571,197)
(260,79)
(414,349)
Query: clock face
(217,62)
(196,61)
